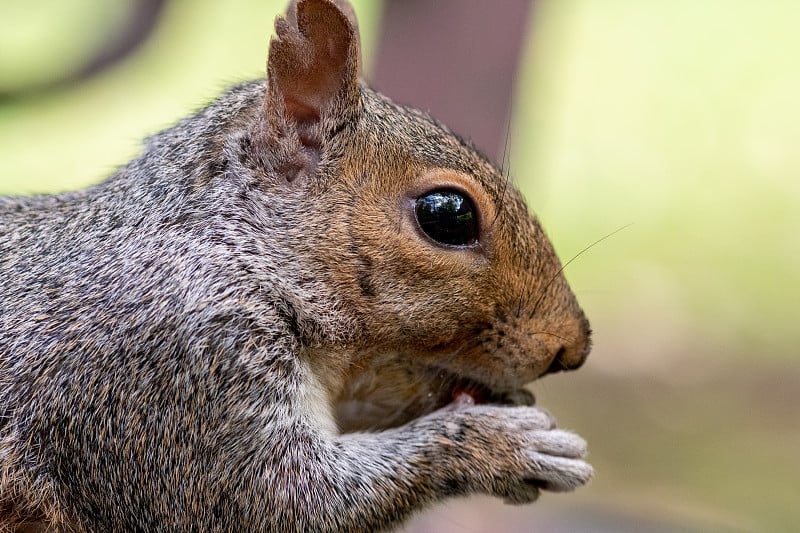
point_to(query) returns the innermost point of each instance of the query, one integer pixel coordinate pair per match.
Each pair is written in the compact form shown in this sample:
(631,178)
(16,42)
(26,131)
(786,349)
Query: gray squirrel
(303,308)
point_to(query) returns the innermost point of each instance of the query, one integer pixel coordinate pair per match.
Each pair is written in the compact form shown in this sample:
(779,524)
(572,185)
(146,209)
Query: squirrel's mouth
(466,392)
(471,392)
(390,396)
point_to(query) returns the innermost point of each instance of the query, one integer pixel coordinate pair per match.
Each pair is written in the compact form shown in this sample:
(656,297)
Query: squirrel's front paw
(517,451)
(554,462)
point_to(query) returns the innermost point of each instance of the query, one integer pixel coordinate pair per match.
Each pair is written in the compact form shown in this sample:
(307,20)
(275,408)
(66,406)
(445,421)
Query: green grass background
(677,120)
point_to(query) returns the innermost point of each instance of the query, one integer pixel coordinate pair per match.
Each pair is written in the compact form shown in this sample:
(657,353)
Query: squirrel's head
(445,279)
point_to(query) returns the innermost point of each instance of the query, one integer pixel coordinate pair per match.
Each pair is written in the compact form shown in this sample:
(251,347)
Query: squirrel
(303,308)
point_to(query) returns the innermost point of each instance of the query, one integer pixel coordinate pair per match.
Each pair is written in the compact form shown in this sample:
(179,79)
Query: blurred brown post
(456,59)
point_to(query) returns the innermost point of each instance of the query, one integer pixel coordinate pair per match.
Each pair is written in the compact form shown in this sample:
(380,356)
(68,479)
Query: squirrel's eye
(448,217)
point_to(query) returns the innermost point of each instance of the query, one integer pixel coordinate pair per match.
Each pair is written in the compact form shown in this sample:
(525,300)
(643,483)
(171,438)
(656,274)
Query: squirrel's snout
(570,355)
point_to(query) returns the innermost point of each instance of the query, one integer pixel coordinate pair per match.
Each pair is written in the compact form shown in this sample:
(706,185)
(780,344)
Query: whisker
(550,333)
(574,257)
(455,353)
(505,166)
(520,301)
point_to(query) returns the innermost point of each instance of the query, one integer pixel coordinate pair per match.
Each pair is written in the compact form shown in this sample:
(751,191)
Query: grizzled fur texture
(244,328)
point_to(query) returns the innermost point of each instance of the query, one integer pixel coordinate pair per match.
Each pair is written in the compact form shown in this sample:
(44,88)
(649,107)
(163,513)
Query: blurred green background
(676,119)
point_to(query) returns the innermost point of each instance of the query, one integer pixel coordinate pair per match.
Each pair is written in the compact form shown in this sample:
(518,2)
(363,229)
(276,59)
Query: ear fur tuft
(313,64)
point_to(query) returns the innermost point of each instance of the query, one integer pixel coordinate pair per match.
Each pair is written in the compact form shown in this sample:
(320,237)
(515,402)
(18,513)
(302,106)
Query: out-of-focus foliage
(74,137)
(681,118)
(49,39)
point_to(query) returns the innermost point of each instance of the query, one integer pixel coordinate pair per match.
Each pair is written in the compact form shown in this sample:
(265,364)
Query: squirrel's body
(181,344)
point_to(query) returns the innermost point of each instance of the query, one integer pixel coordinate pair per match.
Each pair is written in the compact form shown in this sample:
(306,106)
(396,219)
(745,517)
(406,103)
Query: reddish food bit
(474,393)
(463,399)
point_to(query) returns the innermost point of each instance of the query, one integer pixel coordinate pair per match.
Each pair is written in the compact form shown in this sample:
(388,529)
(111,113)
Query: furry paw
(515,452)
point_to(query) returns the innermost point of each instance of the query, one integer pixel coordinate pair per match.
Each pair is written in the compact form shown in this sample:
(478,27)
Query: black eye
(448,217)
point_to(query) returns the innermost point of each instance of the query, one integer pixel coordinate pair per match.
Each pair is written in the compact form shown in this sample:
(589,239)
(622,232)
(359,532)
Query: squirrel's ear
(314,63)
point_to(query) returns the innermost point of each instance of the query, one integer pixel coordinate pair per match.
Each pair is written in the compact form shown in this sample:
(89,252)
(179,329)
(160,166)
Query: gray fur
(171,339)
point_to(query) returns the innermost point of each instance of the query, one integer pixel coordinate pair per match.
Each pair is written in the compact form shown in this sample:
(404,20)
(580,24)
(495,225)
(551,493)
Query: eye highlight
(448,217)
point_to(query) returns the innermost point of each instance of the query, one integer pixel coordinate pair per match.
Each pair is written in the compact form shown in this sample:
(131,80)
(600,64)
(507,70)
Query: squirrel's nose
(571,354)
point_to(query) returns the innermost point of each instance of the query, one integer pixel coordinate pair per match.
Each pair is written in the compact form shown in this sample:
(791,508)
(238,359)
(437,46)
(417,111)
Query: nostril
(560,354)
(574,346)
(557,364)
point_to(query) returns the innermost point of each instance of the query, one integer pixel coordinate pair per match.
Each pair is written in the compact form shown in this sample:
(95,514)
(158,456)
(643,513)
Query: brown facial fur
(499,313)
